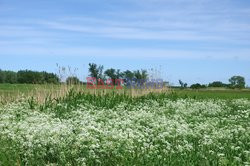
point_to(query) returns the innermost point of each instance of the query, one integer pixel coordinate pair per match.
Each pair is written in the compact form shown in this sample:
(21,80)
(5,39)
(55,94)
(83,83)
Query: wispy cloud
(158,21)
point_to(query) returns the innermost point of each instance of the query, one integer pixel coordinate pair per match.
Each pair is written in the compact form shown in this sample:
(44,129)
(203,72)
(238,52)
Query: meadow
(172,127)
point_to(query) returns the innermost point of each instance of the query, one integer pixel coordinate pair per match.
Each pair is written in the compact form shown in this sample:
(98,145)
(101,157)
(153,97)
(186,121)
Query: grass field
(214,93)
(11,91)
(176,127)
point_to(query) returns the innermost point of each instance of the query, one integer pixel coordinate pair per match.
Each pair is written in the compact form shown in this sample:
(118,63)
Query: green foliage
(140,74)
(96,71)
(128,74)
(28,77)
(33,77)
(183,85)
(72,80)
(113,74)
(218,84)
(197,86)
(1,76)
(8,77)
(237,82)
(50,78)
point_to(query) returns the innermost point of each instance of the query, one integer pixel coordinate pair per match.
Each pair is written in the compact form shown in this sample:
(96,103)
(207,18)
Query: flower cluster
(179,132)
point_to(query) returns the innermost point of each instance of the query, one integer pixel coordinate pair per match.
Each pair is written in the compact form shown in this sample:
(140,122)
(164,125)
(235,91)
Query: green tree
(183,85)
(141,74)
(217,84)
(113,74)
(237,82)
(141,77)
(128,74)
(29,77)
(10,77)
(96,71)
(72,80)
(2,75)
(197,86)
(50,78)
(34,77)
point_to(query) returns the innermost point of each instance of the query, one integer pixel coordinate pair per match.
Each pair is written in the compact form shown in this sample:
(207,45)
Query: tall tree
(96,71)
(141,74)
(183,85)
(140,77)
(113,74)
(128,74)
(237,82)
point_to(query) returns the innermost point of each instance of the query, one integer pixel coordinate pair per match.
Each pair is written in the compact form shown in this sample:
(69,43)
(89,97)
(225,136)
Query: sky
(192,40)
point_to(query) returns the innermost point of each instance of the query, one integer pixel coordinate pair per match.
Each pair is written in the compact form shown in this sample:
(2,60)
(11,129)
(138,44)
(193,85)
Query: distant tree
(113,74)
(183,85)
(119,74)
(2,75)
(141,74)
(217,84)
(96,71)
(237,82)
(29,77)
(141,77)
(128,77)
(10,77)
(72,80)
(128,74)
(50,78)
(197,86)
(34,77)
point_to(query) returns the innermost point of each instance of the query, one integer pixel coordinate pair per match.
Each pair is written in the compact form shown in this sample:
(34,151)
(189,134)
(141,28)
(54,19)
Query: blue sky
(196,41)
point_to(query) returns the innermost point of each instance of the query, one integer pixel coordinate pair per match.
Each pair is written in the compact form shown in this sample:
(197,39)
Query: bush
(197,86)
(72,80)
(217,84)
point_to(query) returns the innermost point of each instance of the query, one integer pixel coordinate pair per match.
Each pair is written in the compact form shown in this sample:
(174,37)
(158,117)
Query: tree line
(98,72)
(28,77)
(234,82)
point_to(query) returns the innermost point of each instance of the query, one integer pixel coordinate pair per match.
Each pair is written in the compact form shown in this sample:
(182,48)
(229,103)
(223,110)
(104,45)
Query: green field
(12,90)
(23,88)
(176,127)
(214,93)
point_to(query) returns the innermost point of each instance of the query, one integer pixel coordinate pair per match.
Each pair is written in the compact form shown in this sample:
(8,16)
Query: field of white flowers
(148,132)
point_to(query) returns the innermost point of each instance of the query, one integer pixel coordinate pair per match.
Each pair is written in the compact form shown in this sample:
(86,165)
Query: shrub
(197,86)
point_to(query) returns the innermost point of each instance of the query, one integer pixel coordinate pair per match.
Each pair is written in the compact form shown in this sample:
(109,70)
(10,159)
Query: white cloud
(149,21)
